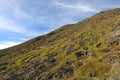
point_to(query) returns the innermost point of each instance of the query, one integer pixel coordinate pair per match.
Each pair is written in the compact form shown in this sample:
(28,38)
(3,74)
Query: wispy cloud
(10,25)
(13,26)
(7,44)
(76,6)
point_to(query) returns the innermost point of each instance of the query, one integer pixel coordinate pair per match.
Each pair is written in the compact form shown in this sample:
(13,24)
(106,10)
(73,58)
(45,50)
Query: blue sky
(21,20)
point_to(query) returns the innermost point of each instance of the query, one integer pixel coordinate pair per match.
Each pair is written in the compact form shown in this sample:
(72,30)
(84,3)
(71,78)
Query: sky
(21,20)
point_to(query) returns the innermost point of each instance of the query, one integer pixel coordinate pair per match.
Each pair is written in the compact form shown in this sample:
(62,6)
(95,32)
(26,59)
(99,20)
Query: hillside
(87,50)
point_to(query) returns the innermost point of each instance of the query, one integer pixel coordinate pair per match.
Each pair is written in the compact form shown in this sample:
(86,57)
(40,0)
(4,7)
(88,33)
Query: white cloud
(7,44)
(9,25)
(10,15)
(76,6)
(22,14)
(16,9)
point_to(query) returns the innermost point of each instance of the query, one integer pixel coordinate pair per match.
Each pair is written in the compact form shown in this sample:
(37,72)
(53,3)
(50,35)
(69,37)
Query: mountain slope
(87,50)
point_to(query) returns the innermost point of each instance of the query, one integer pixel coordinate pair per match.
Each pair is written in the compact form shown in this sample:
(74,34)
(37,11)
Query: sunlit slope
(87,50)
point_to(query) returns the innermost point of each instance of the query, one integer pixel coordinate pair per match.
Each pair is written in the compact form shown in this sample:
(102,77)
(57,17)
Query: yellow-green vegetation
(87,50)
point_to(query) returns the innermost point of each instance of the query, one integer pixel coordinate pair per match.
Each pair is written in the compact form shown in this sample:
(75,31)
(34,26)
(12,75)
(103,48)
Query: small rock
(98,45)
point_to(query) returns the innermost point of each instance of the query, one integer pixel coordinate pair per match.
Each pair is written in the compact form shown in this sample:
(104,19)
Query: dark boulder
(98,45)
(80,54)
